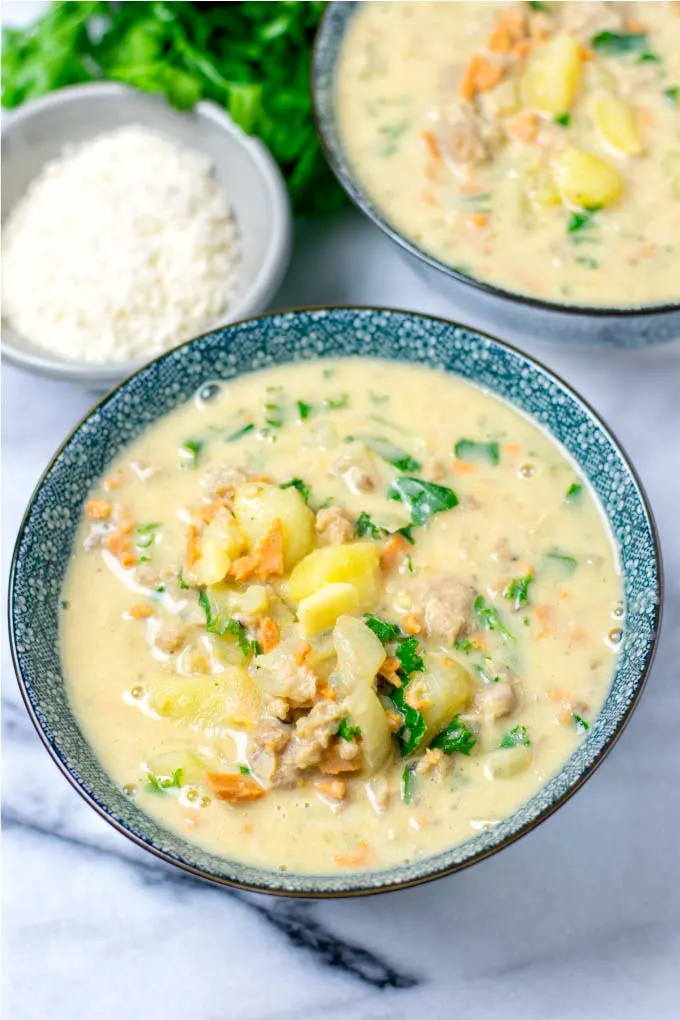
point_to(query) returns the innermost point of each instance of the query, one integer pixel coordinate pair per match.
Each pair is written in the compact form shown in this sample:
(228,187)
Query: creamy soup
(531,145)
(354,598)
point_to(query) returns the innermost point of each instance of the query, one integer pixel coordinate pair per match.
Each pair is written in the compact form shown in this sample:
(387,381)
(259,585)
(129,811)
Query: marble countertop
(579,919)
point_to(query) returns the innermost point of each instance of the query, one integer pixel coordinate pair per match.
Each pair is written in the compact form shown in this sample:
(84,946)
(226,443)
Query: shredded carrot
(565,717)
(388,671)
(126,524)
(500,40)
(412,623)
(193,552)
(647,116)
(113,481)
(332,763)
(414,697)
(393,552)
(261,478)
(580,636)
(522,48)
(431,145)
(302,651)
(266,560)
(633,25)
(524,126)
(481,76)
(268,634)
(120,546)
(334,788)
(327,692)
(140,610)
(478,641)
(462,467)
(435,163)
(394,721)
(645,253)
(477,221)
(511,447)
(97,509)
(586,54)
(362,856)
(210,511)
(514,23)
(234,786)
(545,616)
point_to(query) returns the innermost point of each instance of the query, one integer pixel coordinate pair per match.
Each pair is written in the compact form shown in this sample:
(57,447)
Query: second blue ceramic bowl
(47,534)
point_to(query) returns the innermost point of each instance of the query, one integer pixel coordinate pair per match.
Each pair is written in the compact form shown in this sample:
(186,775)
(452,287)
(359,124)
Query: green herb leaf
(159,784)
(648,58)
(192,450)
(413,727)
(574,491)
(383,629)
(581,221)
(613,43)
(567,562)
(347,732)
(469,450)
(394,455)
(304,410)
(180,580)
(215,625)
(580,723)
(423,499)
(586,260)
(408,784)
(241,432)
(297,483)
(244,770)
(455,738)
(536,5)
(336,403)
(365,526)
(564,119)
(518,590)
(517,735)
(673,93)
(489,618)
(408,654)
(463,645)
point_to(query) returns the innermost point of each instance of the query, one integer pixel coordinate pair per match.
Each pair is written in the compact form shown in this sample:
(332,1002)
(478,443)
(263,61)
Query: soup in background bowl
(403,602)
(530,151)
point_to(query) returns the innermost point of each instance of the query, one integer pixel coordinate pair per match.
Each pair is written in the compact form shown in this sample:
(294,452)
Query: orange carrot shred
(193,552)
(268,634)
(393,553)
(234,786)
(140,611)
(97,509)
(302,652)
(266,560)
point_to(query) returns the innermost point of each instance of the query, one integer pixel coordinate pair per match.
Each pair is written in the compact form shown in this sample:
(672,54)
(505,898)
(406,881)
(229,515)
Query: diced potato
(538,186)
(360,653)
(357,564)
(258,505)
(585,180)
(446,688)
(254,601)
(506,763)
(365,711)
(164,766)
(553,75)
(221,541)
(319,611)
(208,704)
(616,124)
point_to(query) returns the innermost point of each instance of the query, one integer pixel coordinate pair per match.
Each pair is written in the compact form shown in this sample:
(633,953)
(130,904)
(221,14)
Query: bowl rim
(307,891)
(364,203)
(255,297)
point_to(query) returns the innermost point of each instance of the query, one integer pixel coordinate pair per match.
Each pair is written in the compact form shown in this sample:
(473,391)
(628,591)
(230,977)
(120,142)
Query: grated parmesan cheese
(120,249)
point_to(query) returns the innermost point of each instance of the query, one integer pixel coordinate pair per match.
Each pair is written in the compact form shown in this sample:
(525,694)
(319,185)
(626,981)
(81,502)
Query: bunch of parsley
(251,58)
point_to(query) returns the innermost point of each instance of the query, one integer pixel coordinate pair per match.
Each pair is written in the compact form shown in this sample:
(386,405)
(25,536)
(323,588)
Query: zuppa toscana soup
(535,146)
(339,615)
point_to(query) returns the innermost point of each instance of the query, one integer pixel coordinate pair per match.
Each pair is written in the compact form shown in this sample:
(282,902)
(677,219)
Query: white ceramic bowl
(37,132)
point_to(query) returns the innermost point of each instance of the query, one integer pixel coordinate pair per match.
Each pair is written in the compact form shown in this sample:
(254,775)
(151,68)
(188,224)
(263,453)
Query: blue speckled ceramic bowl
(476,301)
(47,533)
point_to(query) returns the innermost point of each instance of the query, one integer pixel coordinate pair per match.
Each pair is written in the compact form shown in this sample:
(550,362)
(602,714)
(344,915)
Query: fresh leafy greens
(382,629)
(413,727)
(574,491)
(673,93)
(216,625)
(563,119)
(365,525)
(423,499)
(517,735)
(408,784)
(244,770)
(347,732)
(409,657)
(579,221)
(457,737)
(394,455)
(304,410)
(564,560)
(297,483)
(489,618)
(468,449)
(239,433)
(580,723)
(613,43)
(588,261)
(252,59)
(518,590)
(336,403)
(463,645)
(192,450)
(159,784)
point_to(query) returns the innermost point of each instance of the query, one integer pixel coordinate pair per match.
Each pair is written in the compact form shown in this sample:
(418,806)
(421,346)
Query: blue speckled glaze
(47,534)
(475,300)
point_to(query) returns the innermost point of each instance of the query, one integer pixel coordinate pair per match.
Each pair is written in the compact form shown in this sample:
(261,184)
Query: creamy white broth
(485,178)
(133,639)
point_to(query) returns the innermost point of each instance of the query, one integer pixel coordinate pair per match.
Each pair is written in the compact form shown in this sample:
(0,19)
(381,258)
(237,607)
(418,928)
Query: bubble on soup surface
(208,393)
(130,789)
(527,471)
(137,692)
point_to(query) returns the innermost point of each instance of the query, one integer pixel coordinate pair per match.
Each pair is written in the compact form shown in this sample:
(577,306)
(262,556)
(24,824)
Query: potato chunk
(360,653)
(258,505)
(507,763)
(207,703)
(553,75)
(319,611)
(585,180)
(221,541)
(356,564)
(616,125)
(365,711)
(445,690)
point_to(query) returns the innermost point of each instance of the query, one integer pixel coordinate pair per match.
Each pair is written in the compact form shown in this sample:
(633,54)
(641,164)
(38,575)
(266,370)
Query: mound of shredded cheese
(120,249)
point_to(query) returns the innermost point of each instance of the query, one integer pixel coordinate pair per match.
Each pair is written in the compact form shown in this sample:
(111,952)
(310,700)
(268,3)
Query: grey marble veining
(579,919)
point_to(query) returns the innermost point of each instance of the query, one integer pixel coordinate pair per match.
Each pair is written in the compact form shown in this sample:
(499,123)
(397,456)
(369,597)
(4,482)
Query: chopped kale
(159,784)
(614,43)
(518,590)
(463,645)
(455,738)
(192,450)
(408,654)
(673,93)
(574,491)
(304,410)
(244,770)
(423,499)
(580,723)
(469,450)
(241,432)
(413,727)
(408,783)
(336,403)
(383,629)
(297,483)
(563,119)
(347,732)
(216,625)
(394,455)
(489,617)
(517,735)
(568,563)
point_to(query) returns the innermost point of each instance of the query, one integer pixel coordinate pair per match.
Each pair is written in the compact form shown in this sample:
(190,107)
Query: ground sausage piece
(333,526)
(315,731)
(171,637)
(294,682)
(468,140)
(446,602)
(497,701)
(271,734)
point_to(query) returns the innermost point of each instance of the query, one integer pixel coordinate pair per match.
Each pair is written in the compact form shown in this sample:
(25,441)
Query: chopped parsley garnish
(191,449)
(481,668)
(468,449)
(648,58)
(273,414)
(574,491)
(336,403)
(613,43)
(180,580)
(581,220)
(409,564)
(216,625)
(518,590)
(146,535)
(463,645)
(408,783)
(580,723)
(567,562)
(297,483)
(365,526)
(413,727)
(423,499)
(536,5)
(489,617)
(394,455)
(564,119)
(586,260)
(409,657)
(517,735)
(455,738)
(241,432)
(304,410)
(244,770)
(347,732)
(383,629)
(673,93)
(159,784)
